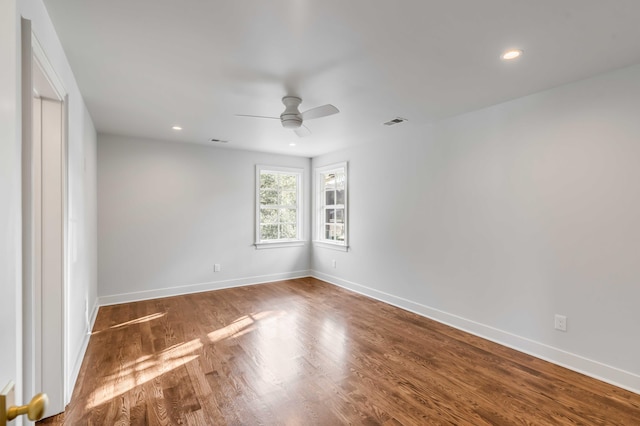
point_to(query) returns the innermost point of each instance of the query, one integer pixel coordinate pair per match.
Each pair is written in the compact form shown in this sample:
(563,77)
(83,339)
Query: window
(331,206)
(279,206)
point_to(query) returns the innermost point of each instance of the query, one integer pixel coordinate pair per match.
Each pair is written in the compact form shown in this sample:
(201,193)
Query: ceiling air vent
(395,121)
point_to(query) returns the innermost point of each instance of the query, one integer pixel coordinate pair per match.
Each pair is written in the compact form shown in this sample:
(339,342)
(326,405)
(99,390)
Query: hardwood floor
(304,352)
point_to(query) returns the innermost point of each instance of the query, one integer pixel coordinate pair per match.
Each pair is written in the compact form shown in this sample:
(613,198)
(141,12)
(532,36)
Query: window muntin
(331,216)
(278,203)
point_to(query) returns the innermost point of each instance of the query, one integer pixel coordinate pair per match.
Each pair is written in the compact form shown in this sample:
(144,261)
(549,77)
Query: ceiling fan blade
(302,131)
(321,111)
(257,116)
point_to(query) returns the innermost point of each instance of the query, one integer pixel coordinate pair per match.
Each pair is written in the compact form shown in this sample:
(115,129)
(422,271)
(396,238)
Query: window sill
(332,246)
(279,244)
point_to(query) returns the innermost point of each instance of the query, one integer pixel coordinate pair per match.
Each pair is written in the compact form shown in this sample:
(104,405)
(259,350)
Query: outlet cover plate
(561,322)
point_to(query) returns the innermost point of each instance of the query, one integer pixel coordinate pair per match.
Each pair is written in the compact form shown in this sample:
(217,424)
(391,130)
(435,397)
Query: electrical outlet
(217,267)
(561,322)
(333,263)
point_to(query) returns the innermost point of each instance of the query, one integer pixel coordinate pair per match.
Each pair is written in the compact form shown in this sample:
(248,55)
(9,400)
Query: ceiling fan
(292,118)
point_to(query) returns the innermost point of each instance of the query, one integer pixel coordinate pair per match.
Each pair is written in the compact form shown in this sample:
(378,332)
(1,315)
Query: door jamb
(33,55)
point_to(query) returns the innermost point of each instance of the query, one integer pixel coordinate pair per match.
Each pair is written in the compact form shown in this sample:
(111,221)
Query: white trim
(198,288)
(279,244)
(269,168)
(92,318)
(75,370)
(597,370)
(43,62)
(332,246)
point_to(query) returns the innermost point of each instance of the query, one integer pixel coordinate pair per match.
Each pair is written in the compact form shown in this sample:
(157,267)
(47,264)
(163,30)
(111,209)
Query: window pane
(288,216)
(329,180)
(268,197)
(268,216)
(267,180)
(330,216)
(340,180)
(288,198)
(331,213)
(330,198)
(288,182)
(278,193)
(329,232)
(269,232)
(288,231)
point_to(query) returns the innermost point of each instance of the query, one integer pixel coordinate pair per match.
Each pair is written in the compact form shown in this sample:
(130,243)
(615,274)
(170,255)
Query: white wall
(83,241)
(495,220)
(82,274)
(167,212)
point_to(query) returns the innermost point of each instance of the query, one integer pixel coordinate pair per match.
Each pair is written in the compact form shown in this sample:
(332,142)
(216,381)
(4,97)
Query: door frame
(39,79)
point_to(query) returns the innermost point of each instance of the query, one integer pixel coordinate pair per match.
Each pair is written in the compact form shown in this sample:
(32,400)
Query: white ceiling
(145,65)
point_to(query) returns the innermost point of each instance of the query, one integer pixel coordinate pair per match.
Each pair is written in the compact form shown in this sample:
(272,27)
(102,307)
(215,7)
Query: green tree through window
(278,201)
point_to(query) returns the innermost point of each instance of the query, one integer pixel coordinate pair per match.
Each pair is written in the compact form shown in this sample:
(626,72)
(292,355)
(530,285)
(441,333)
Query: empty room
(305,212)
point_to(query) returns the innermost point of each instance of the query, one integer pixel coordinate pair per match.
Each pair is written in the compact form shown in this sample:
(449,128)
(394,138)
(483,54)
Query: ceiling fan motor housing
(291,118)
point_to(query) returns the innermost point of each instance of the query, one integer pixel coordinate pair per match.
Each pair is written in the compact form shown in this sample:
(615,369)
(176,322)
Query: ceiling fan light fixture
(291,118)
(291,121)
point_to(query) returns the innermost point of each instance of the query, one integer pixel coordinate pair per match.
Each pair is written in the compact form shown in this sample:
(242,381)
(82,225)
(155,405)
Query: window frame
(319,210)
(290,242)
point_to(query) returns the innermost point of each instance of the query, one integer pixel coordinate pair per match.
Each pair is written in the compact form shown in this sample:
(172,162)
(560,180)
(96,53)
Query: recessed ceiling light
(292,144)
(177,128)
(511,54)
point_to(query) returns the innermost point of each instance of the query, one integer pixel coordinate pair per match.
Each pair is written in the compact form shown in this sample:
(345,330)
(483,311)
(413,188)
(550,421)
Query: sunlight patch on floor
(243,325)
(149,367)
(143,370)
(140,320)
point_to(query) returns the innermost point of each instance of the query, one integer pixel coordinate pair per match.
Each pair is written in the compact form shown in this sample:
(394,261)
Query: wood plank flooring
(304,352)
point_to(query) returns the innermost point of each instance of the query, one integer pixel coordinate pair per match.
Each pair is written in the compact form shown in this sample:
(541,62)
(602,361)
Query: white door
(10,229)
(12,330)
(45,325)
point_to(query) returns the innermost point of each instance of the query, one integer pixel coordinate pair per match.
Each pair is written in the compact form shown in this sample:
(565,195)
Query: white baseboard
(198,288)
(580,364)
(92,317)
(606,373)
(73,377)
